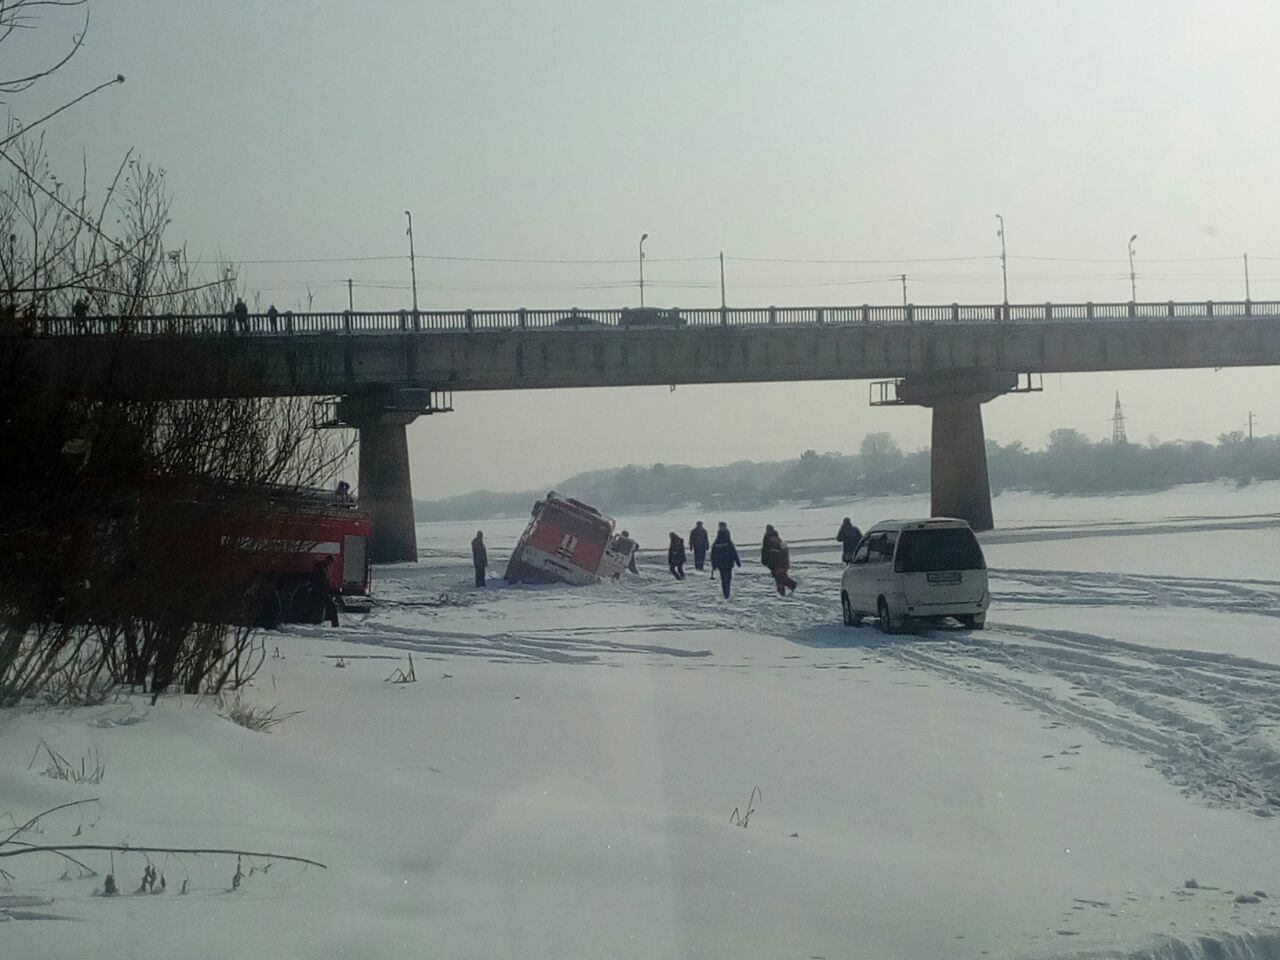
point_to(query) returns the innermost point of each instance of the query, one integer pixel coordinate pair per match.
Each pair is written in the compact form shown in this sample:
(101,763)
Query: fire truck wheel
(261,605)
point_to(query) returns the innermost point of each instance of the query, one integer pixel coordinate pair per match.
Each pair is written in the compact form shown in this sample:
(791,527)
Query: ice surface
(559,781)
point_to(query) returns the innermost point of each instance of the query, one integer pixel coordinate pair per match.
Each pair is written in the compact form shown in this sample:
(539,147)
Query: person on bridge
(676,556)
(273,317)
(724,557)
(479,557)
(699,541)
(80,315)
(775,555)
(241,312)
(849,537)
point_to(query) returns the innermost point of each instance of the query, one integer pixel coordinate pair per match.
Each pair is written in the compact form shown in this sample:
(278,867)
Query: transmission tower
(1118,438)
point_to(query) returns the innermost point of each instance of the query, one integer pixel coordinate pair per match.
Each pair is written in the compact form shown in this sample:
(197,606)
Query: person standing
(479,557)
(241,311)
(322,590)
(273,318)
(849,537)
(676,556)
(724,557)
(80,315)
(699,541)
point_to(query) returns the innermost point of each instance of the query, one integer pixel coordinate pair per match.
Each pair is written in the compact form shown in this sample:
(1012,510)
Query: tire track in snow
(1209,722)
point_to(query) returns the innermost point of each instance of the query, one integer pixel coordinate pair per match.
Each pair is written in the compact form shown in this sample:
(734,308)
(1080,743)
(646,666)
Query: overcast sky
(779,131)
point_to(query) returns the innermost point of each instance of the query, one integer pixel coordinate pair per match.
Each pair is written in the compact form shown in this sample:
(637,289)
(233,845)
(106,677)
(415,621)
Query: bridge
(384,369)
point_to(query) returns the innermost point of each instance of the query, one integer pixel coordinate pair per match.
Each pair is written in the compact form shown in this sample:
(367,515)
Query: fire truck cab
(566,541)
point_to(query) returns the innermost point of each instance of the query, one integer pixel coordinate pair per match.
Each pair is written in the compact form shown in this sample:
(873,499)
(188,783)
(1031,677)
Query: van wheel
(973,621)
(885,622)
(851,619)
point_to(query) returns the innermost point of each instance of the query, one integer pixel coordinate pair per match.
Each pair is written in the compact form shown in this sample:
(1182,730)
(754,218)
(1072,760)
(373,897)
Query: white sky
(806,131)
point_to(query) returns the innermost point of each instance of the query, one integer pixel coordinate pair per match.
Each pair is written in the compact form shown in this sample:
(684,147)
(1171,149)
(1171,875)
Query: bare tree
(108,571)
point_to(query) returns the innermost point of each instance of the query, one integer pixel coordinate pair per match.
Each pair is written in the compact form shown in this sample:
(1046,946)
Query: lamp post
(1004,259)
(1247,298)
(413,269)
(1133,277)
(643,238)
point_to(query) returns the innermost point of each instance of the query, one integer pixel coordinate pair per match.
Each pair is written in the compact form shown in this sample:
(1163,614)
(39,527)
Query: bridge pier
(958,480)
(385,490)
(380,418)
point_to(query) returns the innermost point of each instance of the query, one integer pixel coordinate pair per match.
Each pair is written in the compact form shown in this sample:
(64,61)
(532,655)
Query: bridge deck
(349,353)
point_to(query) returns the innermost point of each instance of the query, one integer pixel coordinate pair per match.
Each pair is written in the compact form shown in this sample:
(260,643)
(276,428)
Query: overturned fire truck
(567,541)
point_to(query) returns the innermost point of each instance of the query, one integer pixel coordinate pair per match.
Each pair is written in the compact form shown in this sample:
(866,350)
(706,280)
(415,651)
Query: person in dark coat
(775,555)
(242,315)
(724,557)
(849,537)
(479,557)
(676,556)
(322,590)
(273,317)
(699,541)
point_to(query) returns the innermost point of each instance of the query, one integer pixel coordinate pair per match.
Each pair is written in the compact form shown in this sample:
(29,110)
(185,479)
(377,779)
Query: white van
(923,569)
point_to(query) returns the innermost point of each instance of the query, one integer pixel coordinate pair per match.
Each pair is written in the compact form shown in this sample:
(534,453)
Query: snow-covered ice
(559,781)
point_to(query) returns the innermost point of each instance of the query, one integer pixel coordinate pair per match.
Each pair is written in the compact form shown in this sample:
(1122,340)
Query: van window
(948,548)
(880,546)
(863,552)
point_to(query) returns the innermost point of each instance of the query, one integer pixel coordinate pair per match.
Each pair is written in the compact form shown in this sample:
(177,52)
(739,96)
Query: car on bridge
(906,571)
(650,317)
(575,321)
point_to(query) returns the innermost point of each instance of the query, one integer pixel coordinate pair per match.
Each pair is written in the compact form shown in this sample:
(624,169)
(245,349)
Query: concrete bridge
(385,369)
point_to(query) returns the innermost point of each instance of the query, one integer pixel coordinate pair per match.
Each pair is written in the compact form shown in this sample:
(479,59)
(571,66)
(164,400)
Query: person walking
(849,537)
(241,311)
(479,557)
(273,318)
(775,555)
(699,541)
(724,557)
(676,556)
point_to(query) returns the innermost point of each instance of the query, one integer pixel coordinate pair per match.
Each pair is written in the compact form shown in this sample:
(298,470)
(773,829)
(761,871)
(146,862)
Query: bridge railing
(572,319)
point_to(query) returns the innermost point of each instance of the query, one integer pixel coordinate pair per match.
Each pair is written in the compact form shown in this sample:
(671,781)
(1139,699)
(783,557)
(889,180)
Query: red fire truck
(567,541)
(270,556)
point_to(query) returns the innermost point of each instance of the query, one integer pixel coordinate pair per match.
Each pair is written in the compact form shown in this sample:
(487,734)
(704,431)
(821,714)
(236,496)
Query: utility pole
(351,307)
(722,303)
(1133,277)
(1247,298)
(903,278)
(1250,429)
(1004,259)
(643,238)
(413,268)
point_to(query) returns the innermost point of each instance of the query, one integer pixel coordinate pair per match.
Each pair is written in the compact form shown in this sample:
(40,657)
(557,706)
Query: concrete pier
(959,483)
(385,491)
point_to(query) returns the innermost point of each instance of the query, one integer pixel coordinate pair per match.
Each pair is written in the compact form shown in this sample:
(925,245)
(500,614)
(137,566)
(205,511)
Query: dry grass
(60,768)
(251,717)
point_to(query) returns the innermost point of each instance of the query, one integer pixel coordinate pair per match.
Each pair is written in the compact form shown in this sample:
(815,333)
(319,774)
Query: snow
(559,780)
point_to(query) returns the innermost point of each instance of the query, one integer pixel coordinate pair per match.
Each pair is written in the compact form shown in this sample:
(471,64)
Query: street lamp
(643,238)
(1133,280)
(413,268)
(1004,259)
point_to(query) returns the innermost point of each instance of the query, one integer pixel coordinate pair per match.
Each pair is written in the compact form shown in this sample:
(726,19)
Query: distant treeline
(1069,464)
